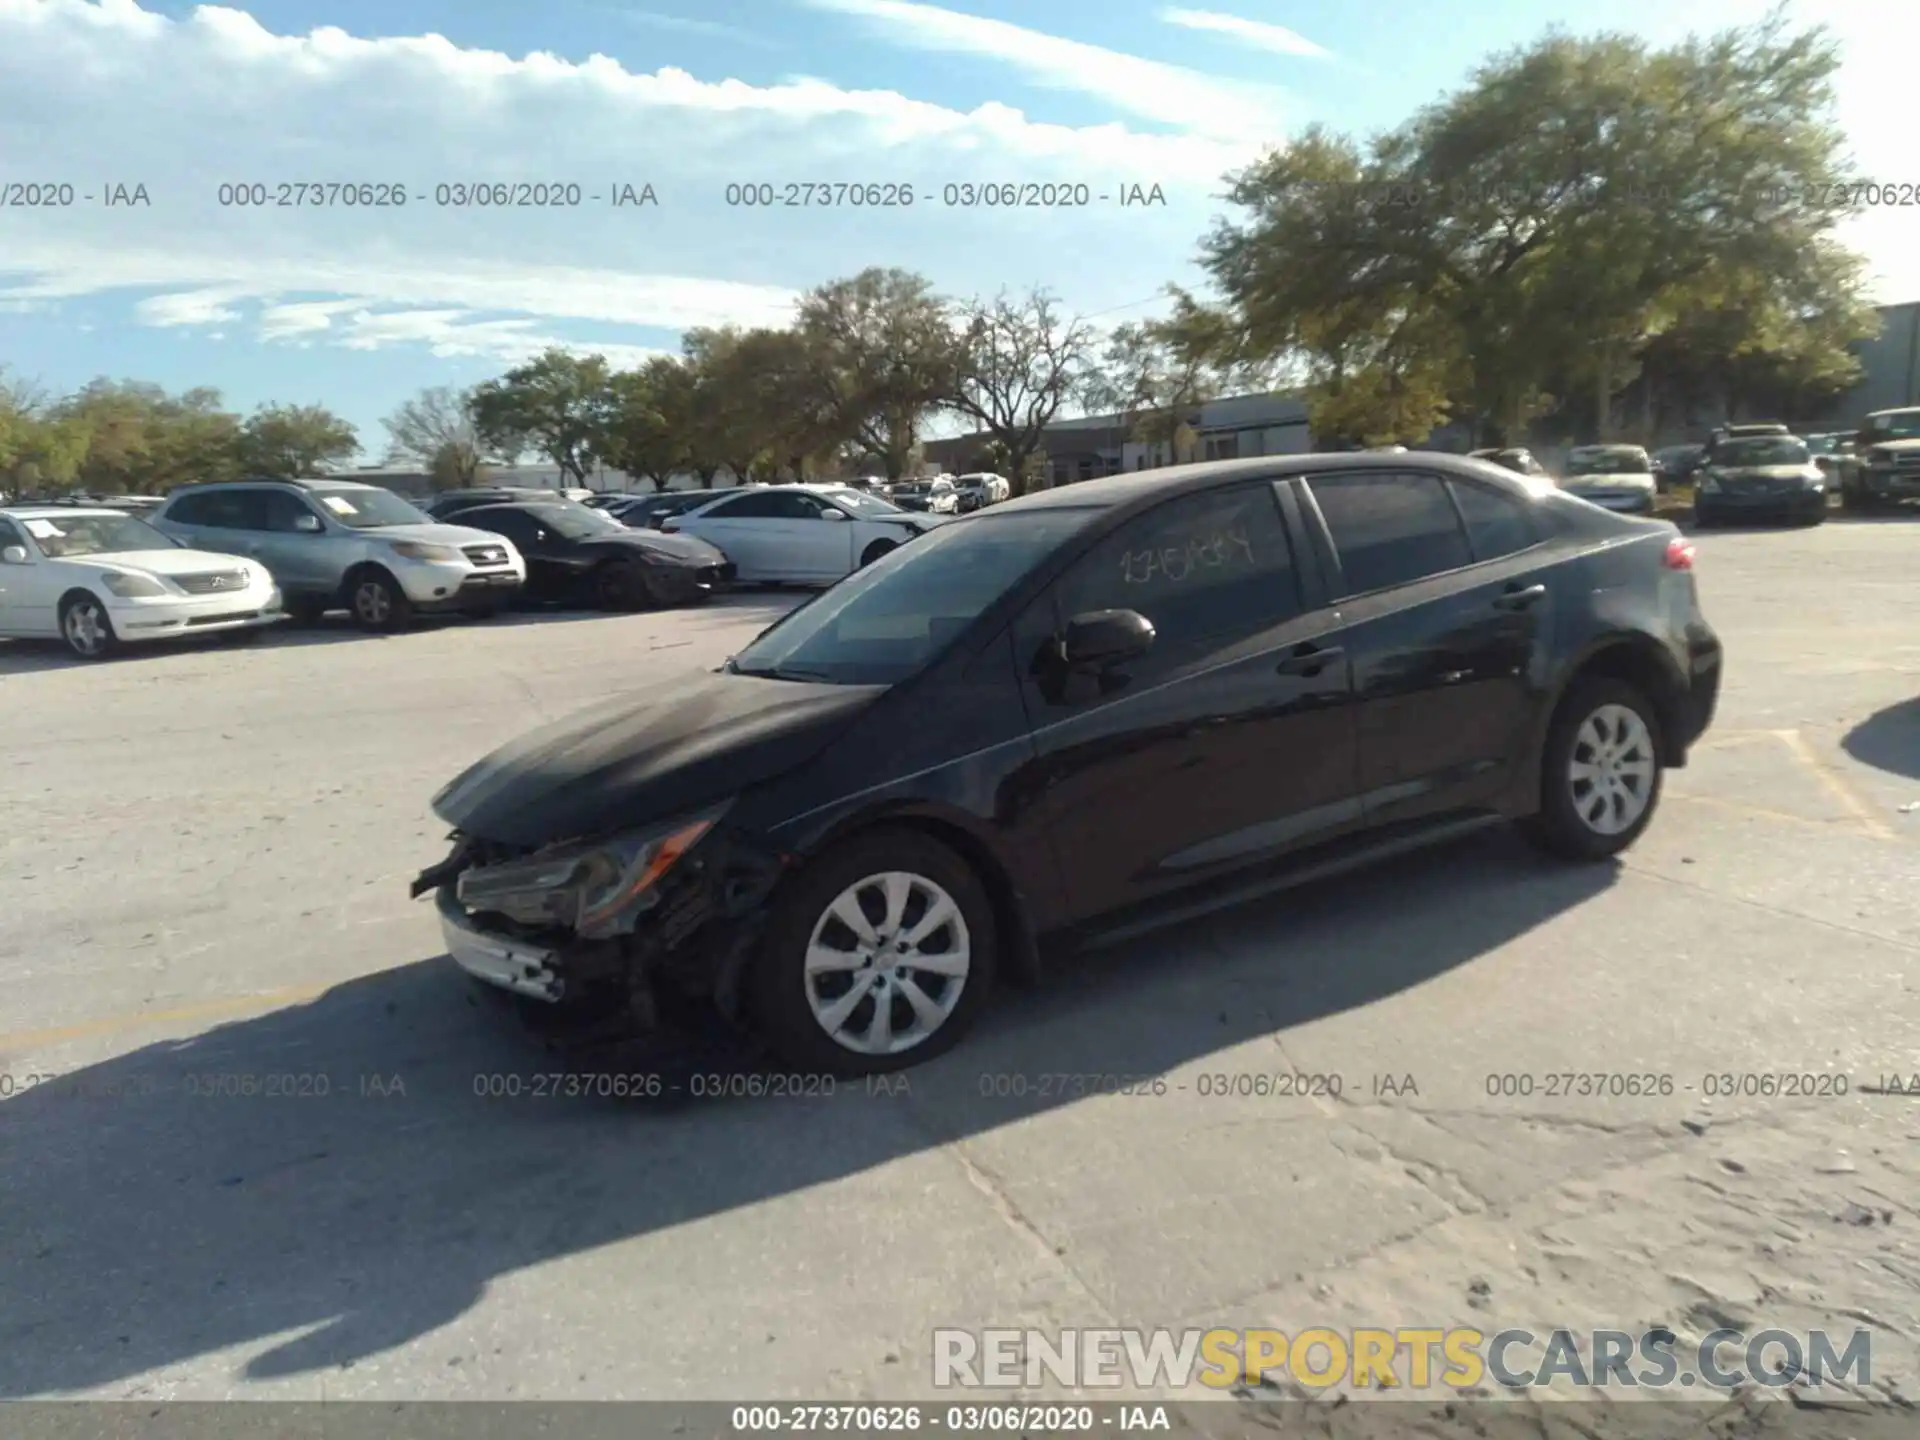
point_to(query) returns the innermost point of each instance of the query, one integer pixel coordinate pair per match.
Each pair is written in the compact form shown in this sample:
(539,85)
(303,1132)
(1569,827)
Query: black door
(1445,592)
(1230,741)
(551,573)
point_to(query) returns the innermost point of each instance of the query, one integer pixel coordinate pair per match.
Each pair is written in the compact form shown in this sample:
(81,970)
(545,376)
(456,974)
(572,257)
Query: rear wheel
(620,585)
(878,957)
(85,627)
(378,603)
(1600,772)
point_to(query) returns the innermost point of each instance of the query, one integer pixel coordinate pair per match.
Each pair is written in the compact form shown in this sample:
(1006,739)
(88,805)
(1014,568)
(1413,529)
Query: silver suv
(338,544)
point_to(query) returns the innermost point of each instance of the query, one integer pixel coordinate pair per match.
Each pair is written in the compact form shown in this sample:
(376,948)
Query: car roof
(55,512)
(1896,410)
(1144,487)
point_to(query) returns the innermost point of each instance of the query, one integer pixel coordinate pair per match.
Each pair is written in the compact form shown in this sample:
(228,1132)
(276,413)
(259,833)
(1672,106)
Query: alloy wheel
(86,628)
(371,602)
(887,962)
(1612,770)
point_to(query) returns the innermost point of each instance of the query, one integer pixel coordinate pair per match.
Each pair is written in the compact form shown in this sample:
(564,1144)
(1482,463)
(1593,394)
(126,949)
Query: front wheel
(620,585)
(874,551)
(86,629)
(1858,502)
(378,603)
(879,956)
(1600,772)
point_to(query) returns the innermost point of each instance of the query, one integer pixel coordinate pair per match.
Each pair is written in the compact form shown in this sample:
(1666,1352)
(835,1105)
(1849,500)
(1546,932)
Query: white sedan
(99,579)
(801,534)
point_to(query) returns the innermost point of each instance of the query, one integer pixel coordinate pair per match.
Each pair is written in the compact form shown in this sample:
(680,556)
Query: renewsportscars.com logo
(1410,1358)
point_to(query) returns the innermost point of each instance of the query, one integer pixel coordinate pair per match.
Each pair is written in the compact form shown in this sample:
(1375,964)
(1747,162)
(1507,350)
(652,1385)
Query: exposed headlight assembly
(134,587)
(597,889)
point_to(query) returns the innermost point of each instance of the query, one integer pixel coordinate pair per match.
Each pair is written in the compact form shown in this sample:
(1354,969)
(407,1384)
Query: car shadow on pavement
(153,1211)
(1888,740)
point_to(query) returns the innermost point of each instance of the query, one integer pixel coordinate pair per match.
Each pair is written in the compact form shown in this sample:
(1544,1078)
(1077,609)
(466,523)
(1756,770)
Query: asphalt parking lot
(203,865)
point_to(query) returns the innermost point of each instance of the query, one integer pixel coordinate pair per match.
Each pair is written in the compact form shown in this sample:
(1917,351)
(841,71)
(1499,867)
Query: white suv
(338,544)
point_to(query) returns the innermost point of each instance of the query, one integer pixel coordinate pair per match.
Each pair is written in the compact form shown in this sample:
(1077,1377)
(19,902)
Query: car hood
(639,759)
(661,545)
(1766,472)
(160,562)
(437,533)
(1624,480)
(1897,447)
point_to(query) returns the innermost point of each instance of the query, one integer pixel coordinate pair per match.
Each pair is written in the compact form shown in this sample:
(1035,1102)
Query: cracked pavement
(203,865)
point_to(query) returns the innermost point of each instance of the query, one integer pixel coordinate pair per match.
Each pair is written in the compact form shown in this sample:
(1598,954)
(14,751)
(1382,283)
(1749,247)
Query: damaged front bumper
(687,939)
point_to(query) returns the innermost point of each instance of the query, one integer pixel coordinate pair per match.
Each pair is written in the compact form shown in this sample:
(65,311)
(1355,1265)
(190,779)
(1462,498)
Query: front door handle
(1521,599)
(1310,660)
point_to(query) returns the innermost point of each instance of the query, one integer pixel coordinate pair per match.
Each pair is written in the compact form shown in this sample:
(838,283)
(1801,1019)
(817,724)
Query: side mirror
(833,515)
(14,555)
(1105,637)
(307,524)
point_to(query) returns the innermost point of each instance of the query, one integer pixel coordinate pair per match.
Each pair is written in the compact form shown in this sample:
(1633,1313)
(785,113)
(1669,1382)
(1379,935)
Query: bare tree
(1020,361)
(435,431)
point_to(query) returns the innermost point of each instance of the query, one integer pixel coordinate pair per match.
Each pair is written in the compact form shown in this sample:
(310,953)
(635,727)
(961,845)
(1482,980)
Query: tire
(1703,517)
(620,585)
(784,996)
(1858,502)
(86,627)
(377,603)
(1596,708)
(874,551)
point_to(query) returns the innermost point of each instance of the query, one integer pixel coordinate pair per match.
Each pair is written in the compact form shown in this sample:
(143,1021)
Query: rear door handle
(1521,599)
(1310,662)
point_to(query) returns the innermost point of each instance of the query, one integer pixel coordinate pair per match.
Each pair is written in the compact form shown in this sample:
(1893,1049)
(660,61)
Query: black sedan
(1092,709)
(576,554)
(648,512)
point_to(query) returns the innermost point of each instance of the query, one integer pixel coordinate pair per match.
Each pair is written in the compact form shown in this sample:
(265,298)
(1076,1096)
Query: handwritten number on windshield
(1181,560)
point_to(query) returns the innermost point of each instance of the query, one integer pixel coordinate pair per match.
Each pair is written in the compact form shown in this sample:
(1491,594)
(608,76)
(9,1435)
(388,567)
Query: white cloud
(1152,89)
(1277,38)
(187,106)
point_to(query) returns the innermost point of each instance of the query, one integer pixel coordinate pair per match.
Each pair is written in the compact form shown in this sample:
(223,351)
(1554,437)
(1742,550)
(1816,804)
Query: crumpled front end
(628,926)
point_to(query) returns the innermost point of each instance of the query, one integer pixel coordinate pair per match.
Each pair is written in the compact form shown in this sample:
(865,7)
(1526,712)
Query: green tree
(881,353)
(1156,374)
(556,405)
(295,440)
(141,440)
(1530,237)
(649,421)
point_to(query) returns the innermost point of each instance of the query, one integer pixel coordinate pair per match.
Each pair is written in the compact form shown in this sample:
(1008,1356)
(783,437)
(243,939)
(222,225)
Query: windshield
(1607,462)
(912,488)
(71,536)
(1762,450)
(889,621)
(370,509)
(1826,444)
(1902,426)
(577,522)
(863,504)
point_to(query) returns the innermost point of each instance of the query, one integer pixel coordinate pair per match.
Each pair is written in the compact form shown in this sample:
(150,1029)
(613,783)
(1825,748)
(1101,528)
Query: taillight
(1679,555)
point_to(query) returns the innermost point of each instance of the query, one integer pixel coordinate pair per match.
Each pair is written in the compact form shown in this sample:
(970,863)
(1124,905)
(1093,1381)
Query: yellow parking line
(1754,811)
(1836,787)
(202,1010)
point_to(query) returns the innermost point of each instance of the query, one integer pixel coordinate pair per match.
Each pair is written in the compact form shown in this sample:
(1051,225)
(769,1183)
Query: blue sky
(360,309)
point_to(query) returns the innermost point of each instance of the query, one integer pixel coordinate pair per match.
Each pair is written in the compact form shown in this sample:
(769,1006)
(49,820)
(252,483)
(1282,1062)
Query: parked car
(1517,459)
(574,553)
(978,490)
(100,579)
(1763,476)
(1614,477)
(1888,472)
(801,534)
(1675,464)
(339,544)
(931,497)
(649,512)
(1086,711)
(1746,432)
(449,503)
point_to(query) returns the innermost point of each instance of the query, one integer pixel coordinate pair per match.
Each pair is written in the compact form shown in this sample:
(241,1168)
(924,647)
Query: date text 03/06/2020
(954,195)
